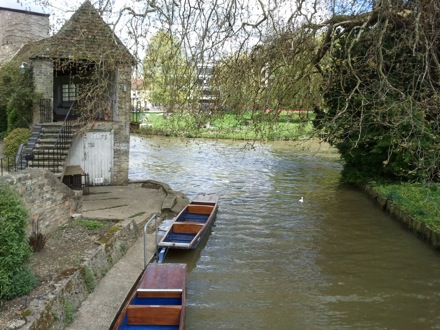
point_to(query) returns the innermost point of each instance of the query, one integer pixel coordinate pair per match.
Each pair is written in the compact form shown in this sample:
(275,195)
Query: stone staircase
(49,146)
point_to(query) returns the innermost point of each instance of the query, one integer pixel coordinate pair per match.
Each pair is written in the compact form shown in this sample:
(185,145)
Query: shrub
(69,310)
(90,279)
(22,282)
(90,224)
(3,121)
(37,241)
(15,278)
(17,97)
(14,139)
(14,120)
(20,104)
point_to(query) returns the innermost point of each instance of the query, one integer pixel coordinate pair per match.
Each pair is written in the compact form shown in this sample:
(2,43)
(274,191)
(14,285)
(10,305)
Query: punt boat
(191,224)
(156,300)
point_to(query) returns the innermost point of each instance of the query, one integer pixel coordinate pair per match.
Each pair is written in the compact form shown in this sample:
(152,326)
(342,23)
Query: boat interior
(189,223)
(155,309)
(196,213)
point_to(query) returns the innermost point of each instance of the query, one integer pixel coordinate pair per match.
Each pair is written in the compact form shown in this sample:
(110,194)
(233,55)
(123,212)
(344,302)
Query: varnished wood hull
(156,301)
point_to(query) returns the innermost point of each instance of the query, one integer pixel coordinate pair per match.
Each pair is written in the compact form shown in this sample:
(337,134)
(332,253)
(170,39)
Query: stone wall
(122,129)
(50,202)
(18,27)
(43,82)
(73,286)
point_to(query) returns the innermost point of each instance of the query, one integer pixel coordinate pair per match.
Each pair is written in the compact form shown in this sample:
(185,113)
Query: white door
(98,157)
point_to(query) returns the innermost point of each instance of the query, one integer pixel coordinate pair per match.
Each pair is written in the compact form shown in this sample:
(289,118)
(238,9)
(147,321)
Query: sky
(14,4)
(59,10)
(143,29)
(56,8)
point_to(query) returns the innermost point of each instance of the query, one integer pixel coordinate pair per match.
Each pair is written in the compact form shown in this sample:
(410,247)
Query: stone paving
(121,202)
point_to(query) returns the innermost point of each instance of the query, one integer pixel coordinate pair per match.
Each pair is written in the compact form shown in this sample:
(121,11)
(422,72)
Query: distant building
(208,94)
(139,96)
(19,27)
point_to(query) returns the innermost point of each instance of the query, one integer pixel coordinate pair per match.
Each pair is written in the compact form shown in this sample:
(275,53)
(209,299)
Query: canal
(335,261)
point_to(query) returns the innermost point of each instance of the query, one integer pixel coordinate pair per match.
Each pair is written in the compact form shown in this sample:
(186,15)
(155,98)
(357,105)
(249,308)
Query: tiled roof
(85,36)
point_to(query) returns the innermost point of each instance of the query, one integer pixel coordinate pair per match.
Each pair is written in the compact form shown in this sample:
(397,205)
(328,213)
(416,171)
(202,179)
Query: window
(70,92)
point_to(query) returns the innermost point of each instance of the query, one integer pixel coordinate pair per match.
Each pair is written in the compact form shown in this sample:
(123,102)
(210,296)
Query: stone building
(18,27)
(83,72)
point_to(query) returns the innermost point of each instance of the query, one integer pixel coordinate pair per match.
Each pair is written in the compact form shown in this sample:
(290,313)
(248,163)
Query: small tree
(16,279)
(166,72)
(16,97)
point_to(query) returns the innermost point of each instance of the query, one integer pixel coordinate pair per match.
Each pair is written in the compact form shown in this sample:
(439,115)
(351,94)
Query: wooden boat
(191,223)
(156,301)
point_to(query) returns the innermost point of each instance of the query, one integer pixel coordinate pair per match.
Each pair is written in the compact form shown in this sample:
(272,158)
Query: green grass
(69,311)
(248,126)
(421,201)
(90,224)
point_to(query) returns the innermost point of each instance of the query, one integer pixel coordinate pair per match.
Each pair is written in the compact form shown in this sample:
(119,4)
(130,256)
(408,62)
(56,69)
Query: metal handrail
(12,163)
(61,141)
(19,155)
(62,137)
(145,238)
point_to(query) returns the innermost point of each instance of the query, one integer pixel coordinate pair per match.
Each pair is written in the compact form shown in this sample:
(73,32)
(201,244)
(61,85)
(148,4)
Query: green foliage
(23,283)
(166,72)
(232,126)
(90,224)
(20,108)
(16,97)
(14,139)
(276,75)
(90,279)
(422,201)
(123,248)
(3,122)
(15,278)
(69,310)
(382,103)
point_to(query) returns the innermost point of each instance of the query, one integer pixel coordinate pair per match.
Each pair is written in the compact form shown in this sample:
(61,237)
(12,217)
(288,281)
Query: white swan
(301,200)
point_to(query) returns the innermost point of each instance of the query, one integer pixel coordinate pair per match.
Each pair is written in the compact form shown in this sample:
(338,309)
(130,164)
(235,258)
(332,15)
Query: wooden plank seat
(186,227)
(153,315)
(200,209)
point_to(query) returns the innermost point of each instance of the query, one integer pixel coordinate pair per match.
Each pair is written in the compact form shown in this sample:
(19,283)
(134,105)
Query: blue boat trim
(156,301)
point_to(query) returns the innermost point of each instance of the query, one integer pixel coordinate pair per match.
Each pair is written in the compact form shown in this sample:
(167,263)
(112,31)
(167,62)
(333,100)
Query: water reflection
(335,261)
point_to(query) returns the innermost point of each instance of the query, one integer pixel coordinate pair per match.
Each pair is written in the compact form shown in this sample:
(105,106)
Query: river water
(335,261)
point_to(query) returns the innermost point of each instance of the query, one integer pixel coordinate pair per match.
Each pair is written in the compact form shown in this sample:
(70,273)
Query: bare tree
(375,62)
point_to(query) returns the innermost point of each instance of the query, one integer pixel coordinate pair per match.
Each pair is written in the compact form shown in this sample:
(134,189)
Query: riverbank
(247,126)
(416,206)
(112,202)
(79,266)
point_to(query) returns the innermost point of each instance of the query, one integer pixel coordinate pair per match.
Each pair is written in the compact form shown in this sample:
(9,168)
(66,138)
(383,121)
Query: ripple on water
(335,261)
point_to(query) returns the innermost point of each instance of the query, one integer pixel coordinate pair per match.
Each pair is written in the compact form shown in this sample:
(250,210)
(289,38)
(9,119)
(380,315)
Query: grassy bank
(249,126)
(420,201)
